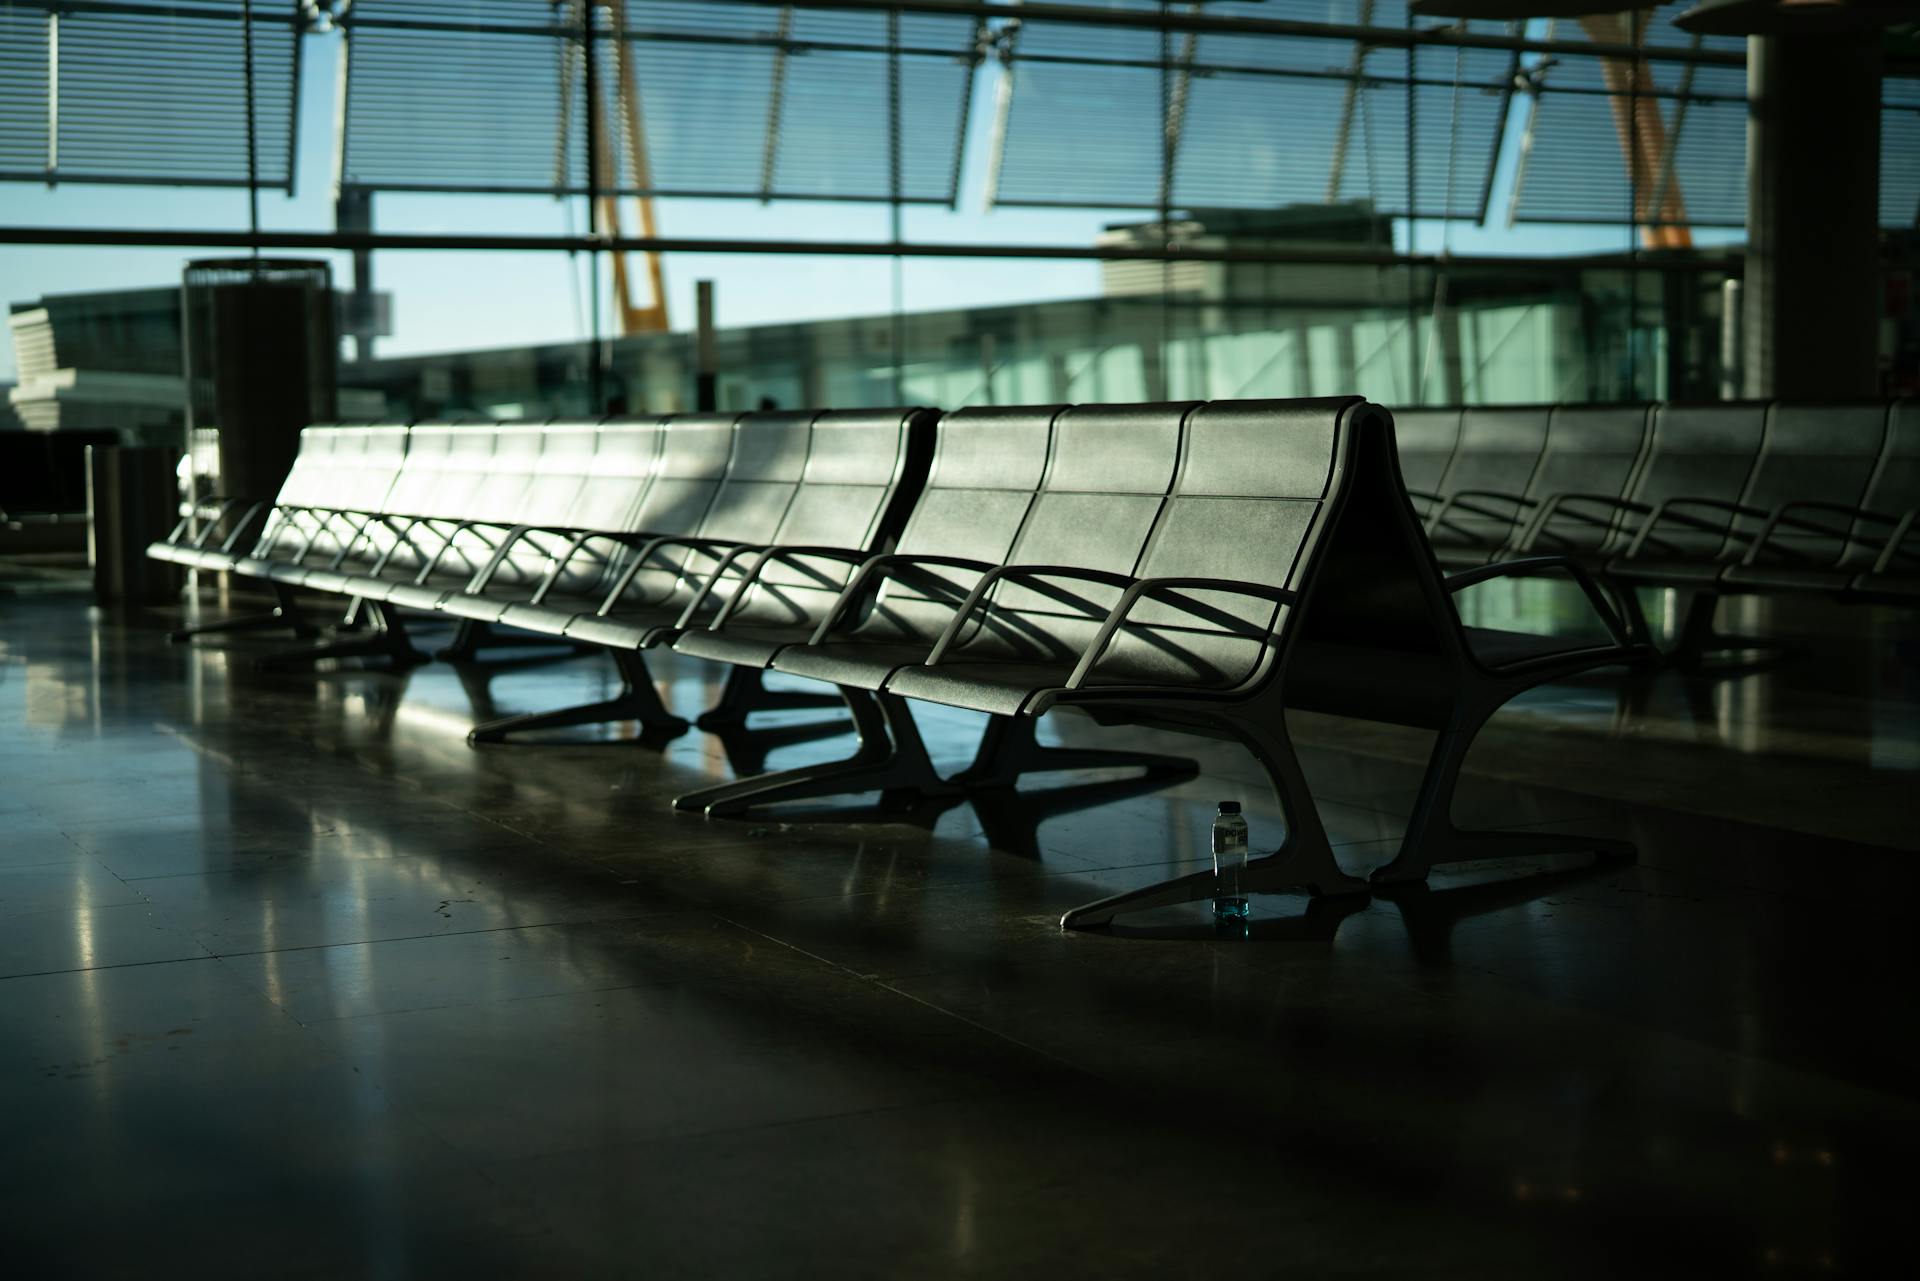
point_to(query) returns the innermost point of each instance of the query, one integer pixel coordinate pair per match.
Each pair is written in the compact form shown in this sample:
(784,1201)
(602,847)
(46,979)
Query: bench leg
(747,748)
(1432,837)
(637,700)
(746,691)
(472,636)
(1010,748)
(891,759)
(285,615)
(1304,861)
(387,638)
(1702,647)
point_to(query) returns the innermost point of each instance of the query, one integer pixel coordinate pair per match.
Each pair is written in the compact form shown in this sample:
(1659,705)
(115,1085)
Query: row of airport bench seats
(1200,567)
(1721,499)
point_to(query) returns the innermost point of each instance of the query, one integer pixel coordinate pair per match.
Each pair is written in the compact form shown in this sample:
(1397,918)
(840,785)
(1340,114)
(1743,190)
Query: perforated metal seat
(988,466)
(1894,573)
(1483,504)
(1827,514)
(588,478)
(355,541)
(1593,454)
(1275,561)
(1698,465)
(427,507)
(694,452)
(865,470)
(828,490)
(1426,439)
(509,489)
(207,528)
(366,464)
(769,456)
(1250,476)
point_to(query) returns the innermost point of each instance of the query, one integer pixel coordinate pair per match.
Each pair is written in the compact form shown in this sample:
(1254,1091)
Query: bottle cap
(1229,807)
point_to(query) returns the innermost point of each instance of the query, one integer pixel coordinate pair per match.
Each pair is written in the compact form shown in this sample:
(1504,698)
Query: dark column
(1813,174)
(353,211)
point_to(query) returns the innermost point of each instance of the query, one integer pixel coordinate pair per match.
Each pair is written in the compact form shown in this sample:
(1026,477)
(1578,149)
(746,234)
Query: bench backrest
(1896,484)
(1426,440)
(1247,505)
(1498,452)
(446,466)
(361,464)
(766,458)
(1815,452)
(988,463)
(427,459)
(1698,451)
(309,481)
(1894,490)
(1108,474)
(1591,449)
(626,453)
(532,476)
(863,471)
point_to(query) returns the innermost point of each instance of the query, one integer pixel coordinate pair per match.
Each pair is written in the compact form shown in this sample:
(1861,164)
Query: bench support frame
(1303,861)
(1010,748)
(387,638)
(890,758)
(745,692)
(284,616)
(1431,835)
(637,700)
(472,636)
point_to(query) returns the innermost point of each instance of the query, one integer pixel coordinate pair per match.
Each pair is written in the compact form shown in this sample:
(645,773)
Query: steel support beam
(164,238)
(1813,193)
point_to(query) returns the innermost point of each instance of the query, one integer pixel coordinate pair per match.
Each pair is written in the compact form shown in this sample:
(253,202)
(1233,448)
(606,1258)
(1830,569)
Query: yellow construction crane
(650,317)
(1660,210)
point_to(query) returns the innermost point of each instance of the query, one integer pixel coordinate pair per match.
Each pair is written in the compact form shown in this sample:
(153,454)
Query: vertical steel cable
(253,159)
(894,205)
(590,78)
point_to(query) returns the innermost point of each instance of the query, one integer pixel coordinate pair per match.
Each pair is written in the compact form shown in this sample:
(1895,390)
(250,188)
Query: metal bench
(1481,497)
(841,479)
(1281,566)
(339,473)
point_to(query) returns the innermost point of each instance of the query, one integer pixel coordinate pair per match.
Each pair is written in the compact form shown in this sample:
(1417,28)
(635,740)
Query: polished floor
(296,984)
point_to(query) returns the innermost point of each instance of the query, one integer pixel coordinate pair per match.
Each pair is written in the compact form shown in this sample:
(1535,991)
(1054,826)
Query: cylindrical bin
(132,499)
(260,357)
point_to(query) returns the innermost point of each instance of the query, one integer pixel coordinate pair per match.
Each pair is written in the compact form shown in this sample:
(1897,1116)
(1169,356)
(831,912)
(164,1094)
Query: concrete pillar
(1813,173)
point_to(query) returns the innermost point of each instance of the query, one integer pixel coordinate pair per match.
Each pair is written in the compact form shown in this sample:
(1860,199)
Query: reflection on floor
(295,983)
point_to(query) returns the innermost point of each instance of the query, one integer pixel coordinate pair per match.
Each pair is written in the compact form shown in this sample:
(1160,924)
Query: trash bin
(132,499)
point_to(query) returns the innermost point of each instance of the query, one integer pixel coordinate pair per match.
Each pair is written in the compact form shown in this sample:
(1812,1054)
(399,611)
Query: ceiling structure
(1125,105)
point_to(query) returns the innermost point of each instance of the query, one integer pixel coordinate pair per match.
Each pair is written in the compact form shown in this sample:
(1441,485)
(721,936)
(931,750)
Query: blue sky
(448,301)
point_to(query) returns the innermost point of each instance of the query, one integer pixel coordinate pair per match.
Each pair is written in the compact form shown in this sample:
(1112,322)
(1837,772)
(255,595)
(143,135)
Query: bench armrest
(212,510)
(1563,504)
(1677,509)
(515,535)
(1904,532)
(889,565)
(1785,516)
(792,555)
(249,519)
(1623,634)
(446,545)
(645,545)
(1479,497)
(1159,587)
(1037,574)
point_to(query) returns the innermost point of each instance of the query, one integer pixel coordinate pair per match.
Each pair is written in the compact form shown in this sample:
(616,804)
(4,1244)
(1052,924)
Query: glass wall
(953,204)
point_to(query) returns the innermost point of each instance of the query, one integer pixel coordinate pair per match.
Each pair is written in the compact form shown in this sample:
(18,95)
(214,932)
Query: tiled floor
(295,983)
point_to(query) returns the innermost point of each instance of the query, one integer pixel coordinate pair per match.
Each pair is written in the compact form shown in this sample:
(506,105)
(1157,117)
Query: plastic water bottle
(1229,863)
